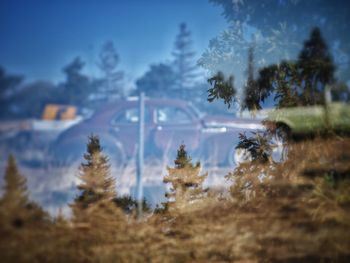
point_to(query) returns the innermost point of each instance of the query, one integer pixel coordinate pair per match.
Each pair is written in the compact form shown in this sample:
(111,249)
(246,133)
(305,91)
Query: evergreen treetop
(158,81)
(16,209)
(76,87)
(96,182)
(184,66)
(111,87)
(222,89)
(15,189)
(316,68)
(182,159)
(293,83)
(250,89)
(94,208)
(186,183)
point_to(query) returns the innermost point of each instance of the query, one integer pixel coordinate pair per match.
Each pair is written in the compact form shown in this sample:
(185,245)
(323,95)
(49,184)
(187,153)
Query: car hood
(233,122)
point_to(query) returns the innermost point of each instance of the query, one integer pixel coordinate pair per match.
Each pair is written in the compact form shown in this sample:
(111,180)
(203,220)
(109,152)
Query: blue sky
(39,37)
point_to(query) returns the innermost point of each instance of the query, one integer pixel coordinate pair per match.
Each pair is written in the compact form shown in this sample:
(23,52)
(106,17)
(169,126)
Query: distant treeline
(179,78)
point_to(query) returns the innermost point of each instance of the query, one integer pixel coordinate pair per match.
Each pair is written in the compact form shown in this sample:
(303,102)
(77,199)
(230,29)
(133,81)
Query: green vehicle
(310,120)
(297,123)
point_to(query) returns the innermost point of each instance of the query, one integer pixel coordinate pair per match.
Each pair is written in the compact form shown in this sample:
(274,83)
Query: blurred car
(168,123)
(299,123)
(28,139)
(310,120)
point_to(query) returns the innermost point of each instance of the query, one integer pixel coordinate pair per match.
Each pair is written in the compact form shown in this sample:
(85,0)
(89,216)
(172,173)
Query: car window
(172,115)
(129,116)
(196,111)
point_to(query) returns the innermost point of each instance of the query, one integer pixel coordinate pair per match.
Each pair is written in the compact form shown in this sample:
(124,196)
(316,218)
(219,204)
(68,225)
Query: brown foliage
(300,212)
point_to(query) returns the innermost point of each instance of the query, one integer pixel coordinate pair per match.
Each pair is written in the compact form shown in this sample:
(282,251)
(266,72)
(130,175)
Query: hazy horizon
(42,37)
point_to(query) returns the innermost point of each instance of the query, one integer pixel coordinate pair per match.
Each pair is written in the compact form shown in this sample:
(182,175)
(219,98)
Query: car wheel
(115,154)
(280,139)
(238,156)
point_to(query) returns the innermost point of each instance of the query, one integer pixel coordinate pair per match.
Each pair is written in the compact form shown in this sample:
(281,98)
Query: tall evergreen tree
(96,182)
(76,88)
(16,209)
(299,83)
(280,32)
(186,183)
(316,68)
(15,189)
(158,81)
(108,64)
(282,80)
(94,208)
(251,96)
(184,66)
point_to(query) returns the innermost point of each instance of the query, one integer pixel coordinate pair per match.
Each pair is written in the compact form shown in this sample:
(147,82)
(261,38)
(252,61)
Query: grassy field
(298,211)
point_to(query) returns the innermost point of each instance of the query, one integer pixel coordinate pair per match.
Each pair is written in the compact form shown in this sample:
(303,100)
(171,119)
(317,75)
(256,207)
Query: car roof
(148,101)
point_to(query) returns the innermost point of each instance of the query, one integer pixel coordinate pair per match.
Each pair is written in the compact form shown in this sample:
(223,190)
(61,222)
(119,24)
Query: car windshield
(172,115)
(196,111)
(130,116)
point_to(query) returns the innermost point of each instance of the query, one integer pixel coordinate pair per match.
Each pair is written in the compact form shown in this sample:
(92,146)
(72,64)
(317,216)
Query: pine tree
(299,83)
(184,66)
(76,88)
(158,81)
(108,64)
(16,209)
(294,83)
(222,89)
(288,84)
(251,96)
(94,209)
(96,182)
(316,68)
(15,189)
(185,180)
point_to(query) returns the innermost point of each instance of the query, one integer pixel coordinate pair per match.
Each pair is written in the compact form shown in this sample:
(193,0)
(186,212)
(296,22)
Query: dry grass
(300,212)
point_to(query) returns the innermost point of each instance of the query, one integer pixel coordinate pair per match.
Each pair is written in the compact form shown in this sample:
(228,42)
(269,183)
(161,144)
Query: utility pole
(140,155)
(327,102)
